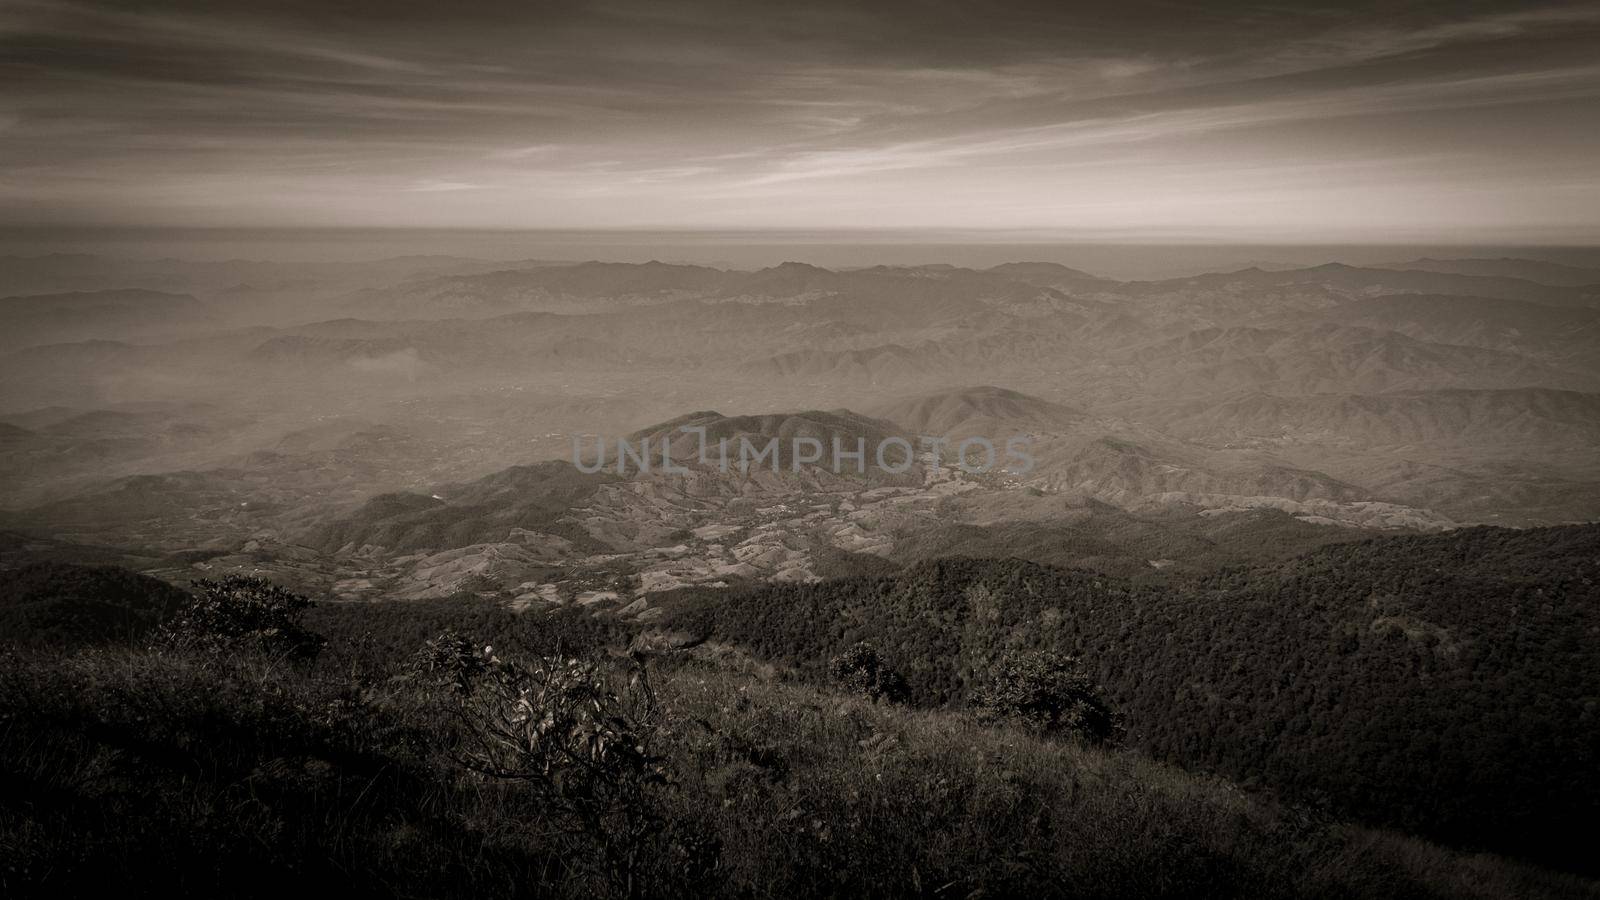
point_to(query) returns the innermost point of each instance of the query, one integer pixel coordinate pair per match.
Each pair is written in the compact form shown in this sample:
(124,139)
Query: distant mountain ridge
(985,410)
(1563,335)
(1467,417)
(87,315)
(1459,392)
(1541,271)
(1356,280)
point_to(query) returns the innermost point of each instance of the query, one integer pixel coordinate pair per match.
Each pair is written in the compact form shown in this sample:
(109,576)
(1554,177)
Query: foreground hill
(1413,681)
(186,772)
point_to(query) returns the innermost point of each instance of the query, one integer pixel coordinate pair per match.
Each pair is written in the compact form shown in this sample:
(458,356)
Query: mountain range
(355,442)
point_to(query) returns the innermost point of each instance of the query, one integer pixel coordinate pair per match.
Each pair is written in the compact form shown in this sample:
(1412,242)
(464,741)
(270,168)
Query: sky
(1124,120)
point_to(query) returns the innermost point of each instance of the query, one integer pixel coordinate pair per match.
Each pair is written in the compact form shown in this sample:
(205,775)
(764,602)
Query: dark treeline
(55,604)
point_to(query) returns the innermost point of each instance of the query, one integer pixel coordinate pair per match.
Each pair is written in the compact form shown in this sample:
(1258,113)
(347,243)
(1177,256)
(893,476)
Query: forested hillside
(52,604)
(1446,684)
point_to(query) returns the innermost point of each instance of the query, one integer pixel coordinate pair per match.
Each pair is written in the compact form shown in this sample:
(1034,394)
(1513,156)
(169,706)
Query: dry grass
(247,777)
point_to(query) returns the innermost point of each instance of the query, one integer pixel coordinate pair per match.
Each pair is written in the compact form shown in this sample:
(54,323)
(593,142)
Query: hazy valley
(379,437)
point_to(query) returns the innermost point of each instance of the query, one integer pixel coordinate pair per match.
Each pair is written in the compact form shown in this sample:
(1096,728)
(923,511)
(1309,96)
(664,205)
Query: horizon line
(912,236)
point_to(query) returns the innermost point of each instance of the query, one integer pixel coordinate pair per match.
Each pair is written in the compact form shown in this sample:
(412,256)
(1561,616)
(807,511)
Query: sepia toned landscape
(1180,434)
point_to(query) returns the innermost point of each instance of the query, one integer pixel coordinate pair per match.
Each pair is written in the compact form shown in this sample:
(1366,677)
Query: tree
(1047,692)
(450,661)
(242,613)
(864,671)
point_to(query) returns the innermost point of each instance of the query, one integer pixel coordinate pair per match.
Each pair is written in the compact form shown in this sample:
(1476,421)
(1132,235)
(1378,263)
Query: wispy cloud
(996,144)
(627,112)
(429,186)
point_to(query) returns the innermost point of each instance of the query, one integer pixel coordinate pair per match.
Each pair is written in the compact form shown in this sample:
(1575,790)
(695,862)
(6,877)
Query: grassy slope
(1437,684)
(245,777)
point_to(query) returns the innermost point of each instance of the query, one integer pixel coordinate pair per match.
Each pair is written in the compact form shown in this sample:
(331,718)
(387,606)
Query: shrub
(450,661)
(242,613)
(577,732)
(1046,692)
(864,671)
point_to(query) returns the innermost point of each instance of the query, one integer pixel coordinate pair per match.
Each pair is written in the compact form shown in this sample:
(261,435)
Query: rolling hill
(1557,335)
(1535,421)
(1506,267)
(986,411)
(520,499)
(98,315)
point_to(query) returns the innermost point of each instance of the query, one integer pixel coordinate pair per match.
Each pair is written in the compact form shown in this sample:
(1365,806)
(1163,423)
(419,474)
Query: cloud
(528,152)
(1581,82)
(622,112)
(427,186)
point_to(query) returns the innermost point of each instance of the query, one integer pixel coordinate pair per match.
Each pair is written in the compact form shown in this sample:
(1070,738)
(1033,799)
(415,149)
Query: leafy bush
(242,613)
(864,671)
(450,661)
(577,732)
(1046,692)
